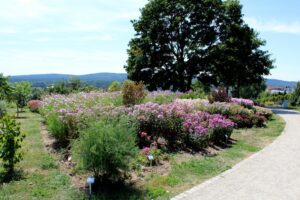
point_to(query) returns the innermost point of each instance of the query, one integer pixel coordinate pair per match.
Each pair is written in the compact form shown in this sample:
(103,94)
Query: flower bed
(179,124)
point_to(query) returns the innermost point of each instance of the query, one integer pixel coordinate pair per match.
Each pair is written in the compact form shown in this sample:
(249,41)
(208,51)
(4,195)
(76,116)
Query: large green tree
(178,41)
(237,60)
(172,40)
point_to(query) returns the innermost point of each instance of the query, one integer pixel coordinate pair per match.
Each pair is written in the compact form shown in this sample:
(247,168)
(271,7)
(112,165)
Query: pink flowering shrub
(267,113)
(203,128)
(156,121)
(247,103)
(34,105)
(179,125)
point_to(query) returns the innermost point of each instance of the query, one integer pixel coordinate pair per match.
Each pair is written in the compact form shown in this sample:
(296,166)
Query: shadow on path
(282,111)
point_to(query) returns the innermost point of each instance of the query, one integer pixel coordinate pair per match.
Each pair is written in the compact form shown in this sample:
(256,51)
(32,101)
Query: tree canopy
(178,41)
(21,93)
(5,88)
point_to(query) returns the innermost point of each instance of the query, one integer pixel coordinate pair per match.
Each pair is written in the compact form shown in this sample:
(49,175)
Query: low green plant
(198,94)
(10,143)
(106,148)
(57,128)
(3,109)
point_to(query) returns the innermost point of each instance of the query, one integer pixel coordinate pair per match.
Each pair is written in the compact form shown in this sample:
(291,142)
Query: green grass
(40,177)
(193,171)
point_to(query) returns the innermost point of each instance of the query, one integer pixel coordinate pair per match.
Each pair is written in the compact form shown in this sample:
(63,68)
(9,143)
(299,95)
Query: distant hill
(43,80)
(103,79)
(281,83)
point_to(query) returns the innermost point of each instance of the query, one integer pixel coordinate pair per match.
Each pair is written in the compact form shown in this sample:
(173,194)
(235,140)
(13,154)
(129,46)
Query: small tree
(10,143)
(5,89)
(74,83)
(295,97)
(114,86)
(20,94)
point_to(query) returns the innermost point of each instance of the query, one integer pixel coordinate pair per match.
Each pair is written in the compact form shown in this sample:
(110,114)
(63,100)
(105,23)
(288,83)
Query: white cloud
(274,26)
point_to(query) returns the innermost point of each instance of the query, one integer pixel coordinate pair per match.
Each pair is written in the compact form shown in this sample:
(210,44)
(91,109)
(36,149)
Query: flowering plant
(34,105)
(247,103)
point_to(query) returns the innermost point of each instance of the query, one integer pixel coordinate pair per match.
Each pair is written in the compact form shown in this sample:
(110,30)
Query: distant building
(279,90)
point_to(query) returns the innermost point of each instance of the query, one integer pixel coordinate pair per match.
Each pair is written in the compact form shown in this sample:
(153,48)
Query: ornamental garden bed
(158,148)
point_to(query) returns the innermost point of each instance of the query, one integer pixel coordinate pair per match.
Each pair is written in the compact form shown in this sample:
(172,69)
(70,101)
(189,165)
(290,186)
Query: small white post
(90,180)
(150,158)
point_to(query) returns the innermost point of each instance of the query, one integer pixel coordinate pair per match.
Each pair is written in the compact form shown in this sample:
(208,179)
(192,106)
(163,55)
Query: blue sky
(89,36)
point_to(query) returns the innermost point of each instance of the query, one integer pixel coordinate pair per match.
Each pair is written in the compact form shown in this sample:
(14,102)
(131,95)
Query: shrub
(219,96)
(34,105)
(114,86)
(106,148)
(57,129)
(10,143)
(36,94)
(204,128)
(133,93)
(242,120)
(156,121)
(295,97)
(179,126)
(64,125)
(247,103)
(259,120)
(2,109)
(267,113)
(198,94)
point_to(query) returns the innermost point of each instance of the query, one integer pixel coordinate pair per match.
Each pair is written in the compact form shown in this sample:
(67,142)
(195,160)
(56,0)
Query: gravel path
(271,174)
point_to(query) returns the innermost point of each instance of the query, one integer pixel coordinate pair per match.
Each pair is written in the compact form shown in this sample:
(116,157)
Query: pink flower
(146,150)
(143,134)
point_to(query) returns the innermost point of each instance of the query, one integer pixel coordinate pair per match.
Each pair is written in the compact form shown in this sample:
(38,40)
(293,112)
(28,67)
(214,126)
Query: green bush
(198,94)
(295,97)
(2,109)
(10,143)
(57,128)
(114,86)
(106,148)
(133,93)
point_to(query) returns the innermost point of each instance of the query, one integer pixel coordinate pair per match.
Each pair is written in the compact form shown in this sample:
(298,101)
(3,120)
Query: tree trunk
(238,88)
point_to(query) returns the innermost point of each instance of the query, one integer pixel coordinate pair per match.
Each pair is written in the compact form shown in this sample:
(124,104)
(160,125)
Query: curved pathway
(271,174)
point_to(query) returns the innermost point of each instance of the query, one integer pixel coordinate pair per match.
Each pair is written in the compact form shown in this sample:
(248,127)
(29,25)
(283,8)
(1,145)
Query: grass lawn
(40,177)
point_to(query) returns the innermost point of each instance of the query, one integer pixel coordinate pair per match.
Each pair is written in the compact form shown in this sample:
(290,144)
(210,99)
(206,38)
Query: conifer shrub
(106,148)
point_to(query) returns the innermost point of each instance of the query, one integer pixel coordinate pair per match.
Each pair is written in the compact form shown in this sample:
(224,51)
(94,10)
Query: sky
(91,36)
